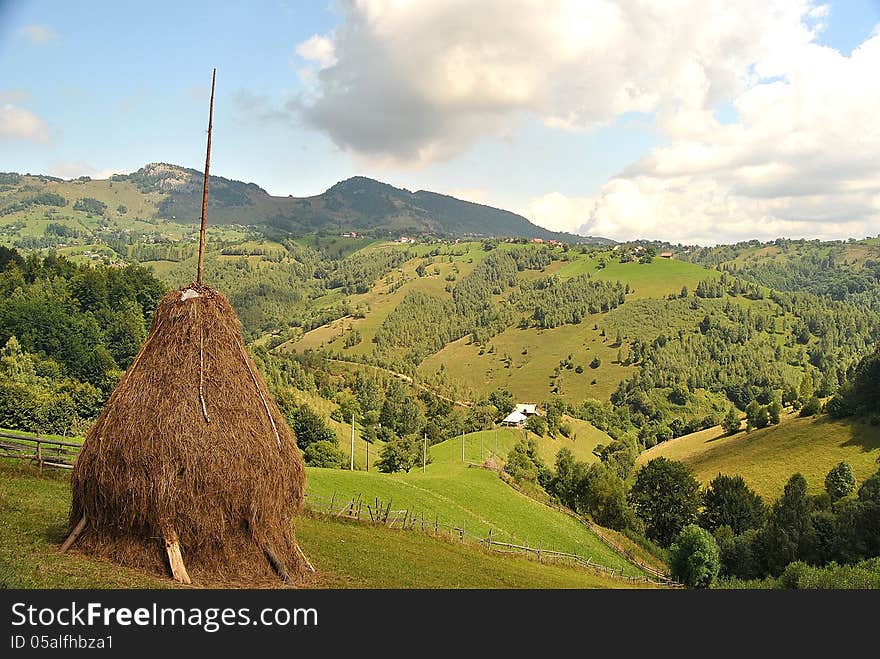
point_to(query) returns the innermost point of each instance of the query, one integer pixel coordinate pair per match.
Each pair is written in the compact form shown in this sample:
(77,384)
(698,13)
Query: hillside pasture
(767,458)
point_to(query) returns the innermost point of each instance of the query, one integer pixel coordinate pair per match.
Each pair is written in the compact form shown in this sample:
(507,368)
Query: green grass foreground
(33,521)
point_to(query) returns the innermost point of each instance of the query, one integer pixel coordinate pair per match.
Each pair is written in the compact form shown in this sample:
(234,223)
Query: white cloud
(39,34)
(801,161)
(318,49)
(558,212)
(421,81)
(70,169)
(19,123)
(413,82)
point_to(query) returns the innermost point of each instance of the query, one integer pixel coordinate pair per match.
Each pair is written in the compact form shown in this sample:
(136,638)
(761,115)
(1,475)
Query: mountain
(358,204)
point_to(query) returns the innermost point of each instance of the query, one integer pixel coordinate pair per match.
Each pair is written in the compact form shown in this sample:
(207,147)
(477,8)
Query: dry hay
(191,442)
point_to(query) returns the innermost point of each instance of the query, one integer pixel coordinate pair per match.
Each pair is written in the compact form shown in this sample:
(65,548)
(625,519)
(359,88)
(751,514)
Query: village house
(520,414)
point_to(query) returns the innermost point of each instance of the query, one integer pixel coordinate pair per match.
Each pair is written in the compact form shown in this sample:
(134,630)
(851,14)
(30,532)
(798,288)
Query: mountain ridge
(358,203)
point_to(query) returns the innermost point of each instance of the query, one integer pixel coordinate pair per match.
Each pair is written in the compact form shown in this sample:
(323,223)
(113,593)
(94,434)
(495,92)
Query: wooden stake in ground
(175,559)
(74,535)
(205,188)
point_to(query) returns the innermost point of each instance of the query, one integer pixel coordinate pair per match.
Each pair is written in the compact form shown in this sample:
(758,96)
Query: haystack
(191,465)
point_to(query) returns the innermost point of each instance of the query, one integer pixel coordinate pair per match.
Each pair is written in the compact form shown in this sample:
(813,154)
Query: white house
(513,419)
(528,409)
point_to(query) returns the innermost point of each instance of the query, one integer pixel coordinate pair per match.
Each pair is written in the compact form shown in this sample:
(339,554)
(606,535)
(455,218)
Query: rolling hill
(767,458)
(167,192)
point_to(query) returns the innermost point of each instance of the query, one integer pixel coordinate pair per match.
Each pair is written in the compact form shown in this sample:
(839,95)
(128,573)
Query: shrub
(695,558)
(323,453)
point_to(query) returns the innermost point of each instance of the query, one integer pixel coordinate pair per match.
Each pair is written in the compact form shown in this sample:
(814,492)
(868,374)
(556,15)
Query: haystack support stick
(175,558)
(205,187)
(74,534)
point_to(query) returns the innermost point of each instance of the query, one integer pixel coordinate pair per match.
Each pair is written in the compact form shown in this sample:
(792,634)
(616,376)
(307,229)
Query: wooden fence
(44,452)
(380,512)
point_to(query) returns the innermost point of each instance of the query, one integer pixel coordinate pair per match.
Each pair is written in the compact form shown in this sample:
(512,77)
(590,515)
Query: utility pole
(205,188)
(481,447)
(425,453)
(462,445)
(352,441)
(367,444)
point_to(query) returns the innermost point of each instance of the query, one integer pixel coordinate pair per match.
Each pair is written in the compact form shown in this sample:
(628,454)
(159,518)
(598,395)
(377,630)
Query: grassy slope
(33,520)
(529,377)
(767,458)
(656,279)
(475,498)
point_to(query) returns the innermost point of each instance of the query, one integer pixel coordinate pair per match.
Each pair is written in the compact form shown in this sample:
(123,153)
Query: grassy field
(656,279)
(473,498)
(535,355)
(767,458)
(33,520)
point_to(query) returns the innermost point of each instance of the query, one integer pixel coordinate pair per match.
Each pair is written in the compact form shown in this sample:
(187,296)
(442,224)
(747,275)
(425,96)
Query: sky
(694,121)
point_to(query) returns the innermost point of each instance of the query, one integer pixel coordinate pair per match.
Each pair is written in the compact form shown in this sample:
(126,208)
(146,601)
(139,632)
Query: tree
(400,454)
(728,501)
(596,363)
(323,453)
(810,407)
(565,480)
(309,427)
(695,557)
(525,465)
(666,496)
(401,412)
(537,424)
(786,535)
(840,481)
(756,416)
(737,554)
(731,422)
(601,493)
(481,417)
(502,399)
(774,409)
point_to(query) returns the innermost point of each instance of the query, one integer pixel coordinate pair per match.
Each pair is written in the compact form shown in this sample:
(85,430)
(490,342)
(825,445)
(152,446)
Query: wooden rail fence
(44,452)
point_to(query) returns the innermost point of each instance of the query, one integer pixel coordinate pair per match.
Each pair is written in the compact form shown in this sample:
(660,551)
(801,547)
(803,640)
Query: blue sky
(116,85)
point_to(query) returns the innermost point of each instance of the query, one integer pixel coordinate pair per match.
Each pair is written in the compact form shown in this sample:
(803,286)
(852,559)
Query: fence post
(39,452)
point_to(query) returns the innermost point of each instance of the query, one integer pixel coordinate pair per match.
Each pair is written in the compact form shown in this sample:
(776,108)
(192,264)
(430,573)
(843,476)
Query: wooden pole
(425,453)
(352,441)
(276,564)
(367,444)
(74,534)
(205,187)
(175,559)
(462,445)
